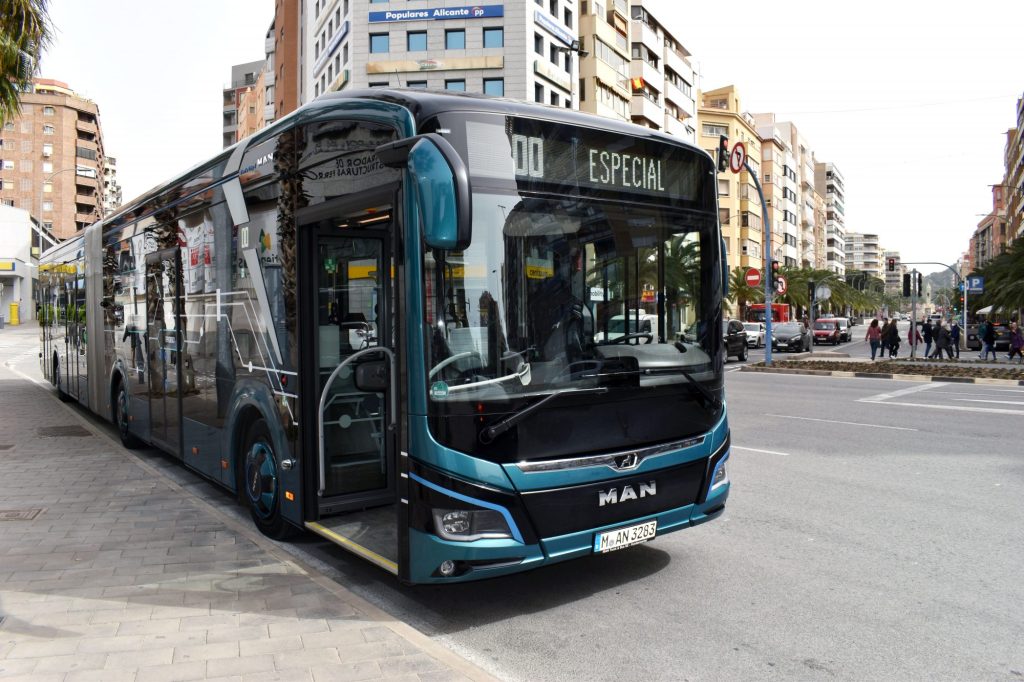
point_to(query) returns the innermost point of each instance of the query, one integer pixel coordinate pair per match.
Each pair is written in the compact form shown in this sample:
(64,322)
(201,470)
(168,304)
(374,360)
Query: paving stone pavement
(111,571)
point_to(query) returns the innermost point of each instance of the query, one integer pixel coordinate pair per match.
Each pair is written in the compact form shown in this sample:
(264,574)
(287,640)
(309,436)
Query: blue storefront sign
(551,25)
(438,13)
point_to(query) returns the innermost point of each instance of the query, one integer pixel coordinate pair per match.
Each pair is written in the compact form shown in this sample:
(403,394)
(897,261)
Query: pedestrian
(894,339)
(954,337)
(987,334)
(911,334)
(874,335)
(941,338)
(1016,343)
(884,340)
(926,332)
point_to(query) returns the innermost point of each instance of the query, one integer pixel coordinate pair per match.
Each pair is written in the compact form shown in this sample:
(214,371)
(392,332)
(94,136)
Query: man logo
(629,461)
(628,493)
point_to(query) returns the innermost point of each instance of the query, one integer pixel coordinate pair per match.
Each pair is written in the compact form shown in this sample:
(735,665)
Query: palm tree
(1004,280)
(742,293)
(25,32)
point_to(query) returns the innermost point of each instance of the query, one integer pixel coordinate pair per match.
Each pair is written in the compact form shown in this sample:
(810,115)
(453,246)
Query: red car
(827,331)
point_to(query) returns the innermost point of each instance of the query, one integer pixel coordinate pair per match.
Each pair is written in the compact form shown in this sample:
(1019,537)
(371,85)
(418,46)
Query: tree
(25,32)
(742,293)
(1004,281)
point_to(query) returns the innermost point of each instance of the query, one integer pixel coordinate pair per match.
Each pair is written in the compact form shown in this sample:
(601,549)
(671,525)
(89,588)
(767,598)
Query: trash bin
(14,314)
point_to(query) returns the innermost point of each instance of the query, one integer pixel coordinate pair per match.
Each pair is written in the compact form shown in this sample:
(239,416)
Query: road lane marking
(767,452)
(960,408)
(1001,402)
(834,421)
(895,394)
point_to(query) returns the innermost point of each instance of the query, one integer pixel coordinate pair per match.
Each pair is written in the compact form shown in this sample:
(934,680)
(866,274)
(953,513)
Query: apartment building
(112,196)
(828,182)
(244,101)
(1013,182)
(810,220)
(519,49)
(721,113)
(53,159)
(286,73)
(863,253)
(780,184)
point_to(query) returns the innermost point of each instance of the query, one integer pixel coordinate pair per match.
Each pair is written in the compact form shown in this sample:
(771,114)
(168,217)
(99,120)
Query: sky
(910,100)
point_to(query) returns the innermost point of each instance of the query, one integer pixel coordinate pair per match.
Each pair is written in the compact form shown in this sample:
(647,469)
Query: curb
(457,663)
(881,375)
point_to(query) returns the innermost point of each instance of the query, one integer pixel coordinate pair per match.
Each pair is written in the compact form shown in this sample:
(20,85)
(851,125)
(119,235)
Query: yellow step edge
(353,547)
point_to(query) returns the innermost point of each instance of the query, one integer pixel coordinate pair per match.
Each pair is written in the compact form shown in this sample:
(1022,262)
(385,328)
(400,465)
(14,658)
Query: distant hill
(940,280)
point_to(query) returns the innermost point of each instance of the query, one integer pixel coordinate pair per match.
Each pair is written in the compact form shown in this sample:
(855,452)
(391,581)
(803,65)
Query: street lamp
(40,233)
(574,47)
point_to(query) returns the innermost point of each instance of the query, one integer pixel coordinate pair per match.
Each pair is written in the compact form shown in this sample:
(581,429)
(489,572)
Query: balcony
(681,100)
(643,33)
(86,126)
(675,127)
(672,60)
(641,106)
(649,73)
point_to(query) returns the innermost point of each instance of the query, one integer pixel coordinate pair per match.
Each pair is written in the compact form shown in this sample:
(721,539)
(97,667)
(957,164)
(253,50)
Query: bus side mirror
(441,184)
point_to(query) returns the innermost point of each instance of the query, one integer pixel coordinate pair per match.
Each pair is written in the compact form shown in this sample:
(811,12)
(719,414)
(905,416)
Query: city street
(873,532)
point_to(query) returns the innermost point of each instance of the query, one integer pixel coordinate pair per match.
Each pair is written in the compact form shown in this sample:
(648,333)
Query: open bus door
(346,286)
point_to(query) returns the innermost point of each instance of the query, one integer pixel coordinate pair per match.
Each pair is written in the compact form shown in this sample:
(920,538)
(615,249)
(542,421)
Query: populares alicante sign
(438,13)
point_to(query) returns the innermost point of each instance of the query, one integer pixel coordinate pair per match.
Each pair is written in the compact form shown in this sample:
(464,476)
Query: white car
(755,334)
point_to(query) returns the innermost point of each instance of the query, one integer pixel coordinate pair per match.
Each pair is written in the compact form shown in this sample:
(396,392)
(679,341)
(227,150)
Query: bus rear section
(780,312)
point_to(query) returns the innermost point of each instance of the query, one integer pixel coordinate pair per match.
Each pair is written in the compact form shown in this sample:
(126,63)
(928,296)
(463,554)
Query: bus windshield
(539,303)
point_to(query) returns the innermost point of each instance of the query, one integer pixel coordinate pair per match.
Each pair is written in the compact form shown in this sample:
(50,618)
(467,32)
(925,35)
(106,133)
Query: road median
(900,370)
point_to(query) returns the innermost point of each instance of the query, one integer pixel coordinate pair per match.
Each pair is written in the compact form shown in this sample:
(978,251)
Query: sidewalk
(110,571)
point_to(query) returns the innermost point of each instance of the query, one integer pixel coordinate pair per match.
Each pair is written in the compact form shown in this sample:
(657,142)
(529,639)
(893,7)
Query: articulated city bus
(387,319)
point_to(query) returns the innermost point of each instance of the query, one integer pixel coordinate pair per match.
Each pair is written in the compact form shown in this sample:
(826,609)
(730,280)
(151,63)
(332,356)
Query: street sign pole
(963,332)
(913,313)
(766,257)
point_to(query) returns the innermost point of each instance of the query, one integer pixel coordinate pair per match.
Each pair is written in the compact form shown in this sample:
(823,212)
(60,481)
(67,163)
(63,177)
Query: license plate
(611,540)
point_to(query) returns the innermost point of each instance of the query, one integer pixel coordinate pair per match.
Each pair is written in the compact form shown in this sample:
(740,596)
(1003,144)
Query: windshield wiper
(491,432)
(702,389)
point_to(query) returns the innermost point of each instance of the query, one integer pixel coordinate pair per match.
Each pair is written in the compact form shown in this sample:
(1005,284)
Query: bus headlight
(466,525)
(720,476)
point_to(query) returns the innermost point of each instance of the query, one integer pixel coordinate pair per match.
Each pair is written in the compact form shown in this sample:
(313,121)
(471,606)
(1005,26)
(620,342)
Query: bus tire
(120,408)
(261,483)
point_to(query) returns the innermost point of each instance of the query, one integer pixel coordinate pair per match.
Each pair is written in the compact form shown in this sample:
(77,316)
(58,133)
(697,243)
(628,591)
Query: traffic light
(723,153)
(919,284)
(775,274)
(810,289)
(906,284)
(892,265)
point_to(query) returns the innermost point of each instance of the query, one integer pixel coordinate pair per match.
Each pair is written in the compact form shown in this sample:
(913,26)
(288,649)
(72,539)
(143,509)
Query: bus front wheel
(261,482)
(121,416)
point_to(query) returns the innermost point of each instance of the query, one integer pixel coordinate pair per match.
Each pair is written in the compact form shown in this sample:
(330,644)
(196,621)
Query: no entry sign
(753,276)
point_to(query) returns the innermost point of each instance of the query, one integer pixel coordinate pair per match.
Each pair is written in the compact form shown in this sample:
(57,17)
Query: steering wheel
(454,358)
(629,337)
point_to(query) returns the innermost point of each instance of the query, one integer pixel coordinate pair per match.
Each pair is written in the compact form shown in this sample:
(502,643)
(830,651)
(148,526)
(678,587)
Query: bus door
(348,292)
(163,289)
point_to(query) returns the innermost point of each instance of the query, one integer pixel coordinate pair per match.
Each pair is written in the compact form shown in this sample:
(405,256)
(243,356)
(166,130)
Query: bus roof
(421,104)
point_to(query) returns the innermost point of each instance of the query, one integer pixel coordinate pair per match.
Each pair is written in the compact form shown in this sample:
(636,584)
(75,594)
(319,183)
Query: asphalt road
(874,531)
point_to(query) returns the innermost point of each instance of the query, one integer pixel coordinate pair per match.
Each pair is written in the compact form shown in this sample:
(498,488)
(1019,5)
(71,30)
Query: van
(639,322)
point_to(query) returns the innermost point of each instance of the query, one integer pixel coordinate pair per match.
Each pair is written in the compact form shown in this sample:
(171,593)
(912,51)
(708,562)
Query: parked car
(827,331)
(755,333)
(1002,337)
(638,322)
(844,327)
(791,336)
(734,339)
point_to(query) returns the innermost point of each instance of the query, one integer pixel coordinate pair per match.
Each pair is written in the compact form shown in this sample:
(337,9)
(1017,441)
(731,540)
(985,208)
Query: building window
(494,37)
(379,84)
(47,167)
(553,53)
(47,205)
(416,84)
(723,188)
(494,86)
(713,130)
(538,44)
(47,129)
(8,164)
(455,39)
(553,7)
(48,111)
(538,93)
(554,99)
(344,53)
(379,43)
(459,85)
(416,41)
(567,18)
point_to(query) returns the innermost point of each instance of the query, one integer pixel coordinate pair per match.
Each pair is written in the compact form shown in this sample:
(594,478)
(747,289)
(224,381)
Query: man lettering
(604,164)
(593,178)
(638,175)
